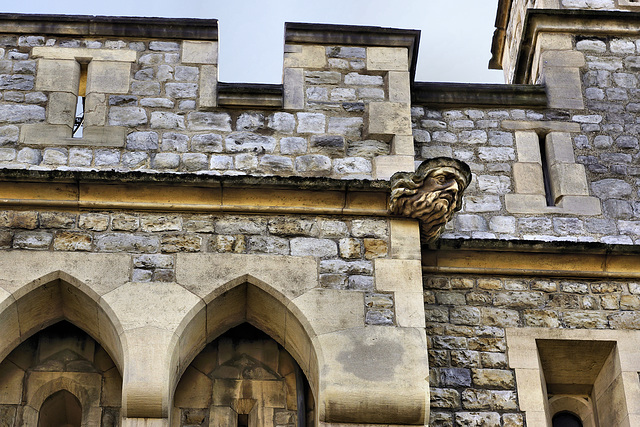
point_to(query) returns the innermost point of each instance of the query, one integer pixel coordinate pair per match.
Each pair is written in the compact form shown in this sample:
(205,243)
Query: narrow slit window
(545,171)
(78,122)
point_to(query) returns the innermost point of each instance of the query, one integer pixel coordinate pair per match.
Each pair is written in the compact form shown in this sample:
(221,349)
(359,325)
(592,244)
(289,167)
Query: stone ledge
(117,26)
(451,95)
(251,95)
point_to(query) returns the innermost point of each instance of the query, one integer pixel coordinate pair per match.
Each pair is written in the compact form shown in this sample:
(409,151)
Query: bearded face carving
(432,194)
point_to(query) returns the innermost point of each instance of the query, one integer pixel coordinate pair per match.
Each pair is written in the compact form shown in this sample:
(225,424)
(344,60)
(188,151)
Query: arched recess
(581,406)
(62,408)
(54,297)
(249,300)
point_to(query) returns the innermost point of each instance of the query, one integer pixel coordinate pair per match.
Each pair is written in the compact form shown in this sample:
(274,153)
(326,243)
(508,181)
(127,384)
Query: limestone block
(402,145)
(62,108)
(111,388)
(385,166)
(564,87)
(410,309)
(387,58)
(568,179)
(49,52)
(293,83)
(149,372)
(559,148)
(108,77)
(528,147)
(208,96)
(9,322)
(554,41)
(104,136)
(562,58)
(367,371)
(399,86)
(525,203)
(346,307)
(528,178)
(204,273)
(199,52)
(580,205)
(383,120)
(11,383)
(194,390)
(405,239)
(99,273)
(170,299)
(58,75)
(398,275)
(304,56)
(95,109)
(222,416)
(192,334)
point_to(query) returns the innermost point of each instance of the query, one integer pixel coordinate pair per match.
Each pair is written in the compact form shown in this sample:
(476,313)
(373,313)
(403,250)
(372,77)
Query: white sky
(454,46)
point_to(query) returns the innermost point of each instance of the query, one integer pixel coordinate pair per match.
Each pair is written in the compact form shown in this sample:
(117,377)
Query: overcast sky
(454,46)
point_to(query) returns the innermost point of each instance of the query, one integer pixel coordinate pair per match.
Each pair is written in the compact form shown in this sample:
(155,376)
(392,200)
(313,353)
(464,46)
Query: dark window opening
(60,409)
(566,419)
(78,122)
(545,171)
(243,420)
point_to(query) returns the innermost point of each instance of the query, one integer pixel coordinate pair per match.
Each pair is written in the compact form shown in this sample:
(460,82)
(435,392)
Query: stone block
(528,147)
(199,52)
(60,75)
(304,56)
(293,86)
(568,179)
(387,58)
(564,87)
(528,178)
(405,239)
(385,166)
(525,203)
(384,120)
(399,86)
(559,148)
(398,275)
(208,96)
(108,77)
(580,205)
(562,58)
(55,53)
(62,108)
(403,145)
(95,110)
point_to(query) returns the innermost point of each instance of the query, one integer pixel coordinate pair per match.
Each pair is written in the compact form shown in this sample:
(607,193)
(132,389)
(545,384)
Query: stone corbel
(431,194)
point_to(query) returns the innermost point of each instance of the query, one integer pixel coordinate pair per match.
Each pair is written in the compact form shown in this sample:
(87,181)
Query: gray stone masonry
(344,247)
(466,320)
(165,129)
(606,144)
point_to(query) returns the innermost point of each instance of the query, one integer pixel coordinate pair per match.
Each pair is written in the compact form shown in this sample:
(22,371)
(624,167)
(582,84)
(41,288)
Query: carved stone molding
(431,194)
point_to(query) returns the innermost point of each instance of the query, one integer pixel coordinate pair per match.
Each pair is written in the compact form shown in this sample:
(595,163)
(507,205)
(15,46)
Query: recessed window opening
(78,122)
(566,419)
(61,409)
(545,171)
(243,420)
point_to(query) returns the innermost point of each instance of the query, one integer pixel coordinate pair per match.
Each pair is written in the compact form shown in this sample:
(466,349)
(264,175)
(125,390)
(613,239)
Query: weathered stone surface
(238,142)
(268,245)
(124,242)
(313,163)
(306,246)
(32,240)
(209,121)
(72,241)
(17,113)
(207,143)
(180,243)
(127,116)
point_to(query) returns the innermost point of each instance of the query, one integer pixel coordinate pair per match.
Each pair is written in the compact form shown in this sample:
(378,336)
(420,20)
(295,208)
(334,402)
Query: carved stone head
(432,194)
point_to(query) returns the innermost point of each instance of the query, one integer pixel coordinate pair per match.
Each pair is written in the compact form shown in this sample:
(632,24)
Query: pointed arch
(54,297)
(248,299)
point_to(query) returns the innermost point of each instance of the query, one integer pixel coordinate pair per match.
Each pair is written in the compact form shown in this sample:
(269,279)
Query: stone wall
(471,381)
(158,115)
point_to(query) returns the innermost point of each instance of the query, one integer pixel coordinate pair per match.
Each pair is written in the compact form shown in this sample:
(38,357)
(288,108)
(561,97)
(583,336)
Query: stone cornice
(452,95)
(532,258)
(116,26)
(582,22)
(77,190)
(355,35)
